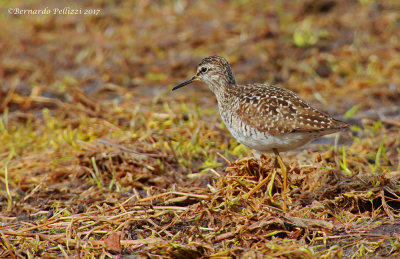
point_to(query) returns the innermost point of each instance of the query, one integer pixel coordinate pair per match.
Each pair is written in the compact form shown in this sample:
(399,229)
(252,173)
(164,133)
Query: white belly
(263,141)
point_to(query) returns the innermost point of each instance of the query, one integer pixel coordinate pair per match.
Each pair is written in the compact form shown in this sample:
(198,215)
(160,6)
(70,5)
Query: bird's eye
(203,70)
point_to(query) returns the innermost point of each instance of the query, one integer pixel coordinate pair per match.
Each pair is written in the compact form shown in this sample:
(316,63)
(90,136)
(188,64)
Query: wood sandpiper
(263,117)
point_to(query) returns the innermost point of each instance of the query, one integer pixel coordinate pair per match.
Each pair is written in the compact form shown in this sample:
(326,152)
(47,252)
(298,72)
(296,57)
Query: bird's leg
(257,154)
(283,168)
(284,176)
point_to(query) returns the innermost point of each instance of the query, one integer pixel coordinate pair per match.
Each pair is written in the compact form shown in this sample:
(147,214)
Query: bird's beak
(186,82)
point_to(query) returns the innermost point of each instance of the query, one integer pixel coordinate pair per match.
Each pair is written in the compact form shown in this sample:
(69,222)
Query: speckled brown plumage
(279,111)
(260,116)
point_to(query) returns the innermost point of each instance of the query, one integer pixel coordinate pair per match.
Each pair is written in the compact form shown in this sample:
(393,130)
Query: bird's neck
(223,91)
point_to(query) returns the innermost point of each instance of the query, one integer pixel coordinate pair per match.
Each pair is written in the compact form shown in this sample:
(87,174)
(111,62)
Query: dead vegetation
(99,159)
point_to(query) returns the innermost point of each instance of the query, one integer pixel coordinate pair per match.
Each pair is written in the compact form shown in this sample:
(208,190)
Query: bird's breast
(261,141)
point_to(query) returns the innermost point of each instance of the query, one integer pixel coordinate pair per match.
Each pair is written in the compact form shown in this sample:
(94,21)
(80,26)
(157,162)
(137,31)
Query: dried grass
(97,160)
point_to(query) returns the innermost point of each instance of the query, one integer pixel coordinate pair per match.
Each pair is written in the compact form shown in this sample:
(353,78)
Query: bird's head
(215,71)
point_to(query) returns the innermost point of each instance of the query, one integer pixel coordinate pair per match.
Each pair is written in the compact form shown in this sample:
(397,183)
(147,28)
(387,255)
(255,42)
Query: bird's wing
(280,111)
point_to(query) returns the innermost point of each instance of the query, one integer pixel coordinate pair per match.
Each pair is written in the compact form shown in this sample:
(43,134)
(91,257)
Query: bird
(263,117)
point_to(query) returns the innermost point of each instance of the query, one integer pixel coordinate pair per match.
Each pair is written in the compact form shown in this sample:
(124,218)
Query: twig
(170,208)
(7,245)
(199,196)
(393,122)
(41,236)
(35,189)
(38,226)
(172,150)
(224,236)
(63,251)
(108,143)
(9,197)
(224,158)
(385,206)
(130,198)
(9,95)
(353,235)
